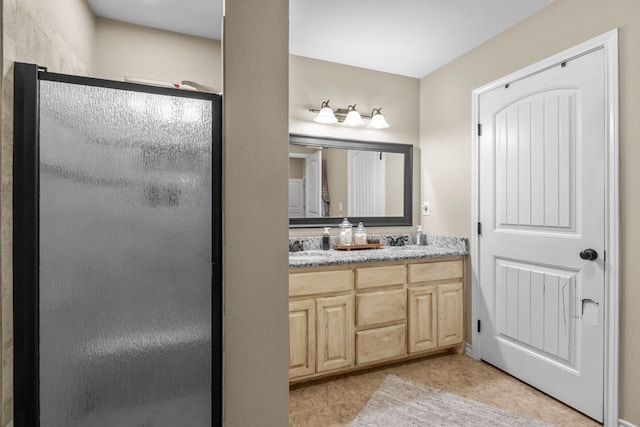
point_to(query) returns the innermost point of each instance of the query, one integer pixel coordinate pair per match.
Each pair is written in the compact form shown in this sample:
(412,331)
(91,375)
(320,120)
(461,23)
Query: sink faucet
(296,246)
(398,241)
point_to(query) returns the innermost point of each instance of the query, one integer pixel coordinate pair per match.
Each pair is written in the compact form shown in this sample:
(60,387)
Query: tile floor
(336,402)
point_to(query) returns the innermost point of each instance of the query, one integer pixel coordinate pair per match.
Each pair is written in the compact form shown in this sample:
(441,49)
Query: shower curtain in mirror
(118,186)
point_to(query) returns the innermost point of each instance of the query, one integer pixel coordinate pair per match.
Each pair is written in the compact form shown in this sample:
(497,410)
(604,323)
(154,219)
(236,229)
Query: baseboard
(623,423)
(468,350)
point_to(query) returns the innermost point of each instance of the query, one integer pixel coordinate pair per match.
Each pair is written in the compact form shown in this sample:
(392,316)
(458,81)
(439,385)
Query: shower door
(117,290)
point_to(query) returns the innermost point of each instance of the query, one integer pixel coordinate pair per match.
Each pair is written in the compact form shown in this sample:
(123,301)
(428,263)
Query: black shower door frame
(26,178)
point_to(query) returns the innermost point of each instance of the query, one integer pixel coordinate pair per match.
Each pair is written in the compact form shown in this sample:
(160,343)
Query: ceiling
(406,37)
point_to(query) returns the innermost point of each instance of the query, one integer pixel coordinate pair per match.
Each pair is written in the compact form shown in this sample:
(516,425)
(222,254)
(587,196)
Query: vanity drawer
(440,270)
(381,343)
(320,282)
(381,307)
(373,277)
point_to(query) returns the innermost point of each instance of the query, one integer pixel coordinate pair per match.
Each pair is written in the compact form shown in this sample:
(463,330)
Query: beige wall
(256,47)
(394,184)
(296,168)
(445,137)
(312,81)
(336,161)
(143,52)
(59,36)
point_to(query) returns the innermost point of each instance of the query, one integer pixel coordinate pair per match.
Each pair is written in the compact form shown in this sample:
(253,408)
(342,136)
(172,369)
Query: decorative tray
(340,247)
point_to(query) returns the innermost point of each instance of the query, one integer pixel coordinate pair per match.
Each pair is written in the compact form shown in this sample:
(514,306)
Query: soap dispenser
(326,239)
(421,239)
(345,232)
(361,235)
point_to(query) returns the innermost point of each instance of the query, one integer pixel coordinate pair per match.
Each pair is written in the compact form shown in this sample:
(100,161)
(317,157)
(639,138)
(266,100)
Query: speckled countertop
(314,256)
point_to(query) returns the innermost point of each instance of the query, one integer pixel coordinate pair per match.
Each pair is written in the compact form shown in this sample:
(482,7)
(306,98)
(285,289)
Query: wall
(394,184)
(335,165)
(313,81)
(445,138)
(296,168)
(255,52)
(59,35)
(132,50)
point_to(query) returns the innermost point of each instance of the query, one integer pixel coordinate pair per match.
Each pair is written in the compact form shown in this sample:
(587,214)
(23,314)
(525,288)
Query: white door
(296,198)
(542,203)
(313,185)
(366,186)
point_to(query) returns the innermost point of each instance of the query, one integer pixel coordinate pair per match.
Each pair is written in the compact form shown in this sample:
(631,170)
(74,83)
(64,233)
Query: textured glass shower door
(125,257)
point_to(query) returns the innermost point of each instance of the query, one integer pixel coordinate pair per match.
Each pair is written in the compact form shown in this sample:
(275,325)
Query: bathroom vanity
(358,309)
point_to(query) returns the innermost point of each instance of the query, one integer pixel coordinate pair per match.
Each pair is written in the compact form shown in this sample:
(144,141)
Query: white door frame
(608,42)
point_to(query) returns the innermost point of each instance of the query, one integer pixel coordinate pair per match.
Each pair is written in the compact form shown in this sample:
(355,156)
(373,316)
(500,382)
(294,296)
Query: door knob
(589,254)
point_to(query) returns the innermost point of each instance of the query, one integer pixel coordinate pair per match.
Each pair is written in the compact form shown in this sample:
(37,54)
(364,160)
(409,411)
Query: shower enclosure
(117,253)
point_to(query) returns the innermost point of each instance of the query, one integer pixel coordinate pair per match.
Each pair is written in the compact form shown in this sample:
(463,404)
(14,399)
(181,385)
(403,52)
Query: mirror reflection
(330,179)
(348,183)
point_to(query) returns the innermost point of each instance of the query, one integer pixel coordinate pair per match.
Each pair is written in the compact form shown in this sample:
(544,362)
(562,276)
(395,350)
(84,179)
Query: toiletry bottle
(345,232)
(421,239)
(361,235)
(326,239)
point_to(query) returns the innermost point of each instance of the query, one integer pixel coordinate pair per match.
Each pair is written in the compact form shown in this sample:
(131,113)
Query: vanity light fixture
(353,118)
(349,116)
(325,115)
(377,120)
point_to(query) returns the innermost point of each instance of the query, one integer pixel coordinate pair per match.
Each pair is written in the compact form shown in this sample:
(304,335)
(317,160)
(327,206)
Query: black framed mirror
(331,178)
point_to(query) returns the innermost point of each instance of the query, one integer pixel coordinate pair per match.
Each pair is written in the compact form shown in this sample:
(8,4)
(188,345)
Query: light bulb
(353,119)
(378,122)
(326,116)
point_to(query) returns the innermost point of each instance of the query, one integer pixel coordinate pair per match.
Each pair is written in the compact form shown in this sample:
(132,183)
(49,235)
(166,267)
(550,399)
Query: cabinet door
(422,319)
(302,338)
(381,307)
(335,332)
(450,314)
(372,277)
(382,343)
(439,270)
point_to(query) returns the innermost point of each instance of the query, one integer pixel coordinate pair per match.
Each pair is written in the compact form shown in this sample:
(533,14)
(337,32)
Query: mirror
(330,179)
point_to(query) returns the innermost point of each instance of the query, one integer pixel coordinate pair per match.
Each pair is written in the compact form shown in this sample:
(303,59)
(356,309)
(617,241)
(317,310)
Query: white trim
(608,41)
(623,423)
(468,350)
(612,272)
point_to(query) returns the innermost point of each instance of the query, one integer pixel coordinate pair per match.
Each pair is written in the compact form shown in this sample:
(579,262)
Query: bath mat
(403,403)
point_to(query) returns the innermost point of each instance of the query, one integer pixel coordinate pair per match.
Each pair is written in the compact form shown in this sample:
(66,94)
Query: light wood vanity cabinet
(343,318)
(321,322)
(423,325)
(450,314)
(436,305)
(378,344)
(335,332)
(302,338)
(381,313)
(381,307)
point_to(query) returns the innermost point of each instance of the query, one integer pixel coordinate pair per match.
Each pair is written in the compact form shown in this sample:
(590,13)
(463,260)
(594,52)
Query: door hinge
(479,229)
(478,325)
(479,129)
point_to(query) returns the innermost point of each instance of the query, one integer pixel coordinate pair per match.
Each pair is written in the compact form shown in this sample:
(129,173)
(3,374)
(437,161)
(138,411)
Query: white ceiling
(196,17)
(406,37)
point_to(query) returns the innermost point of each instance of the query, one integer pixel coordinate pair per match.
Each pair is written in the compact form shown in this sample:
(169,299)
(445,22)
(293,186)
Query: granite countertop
(437,246)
